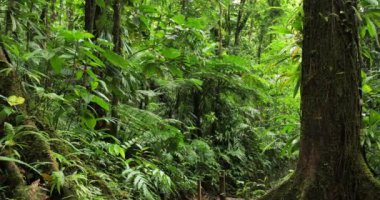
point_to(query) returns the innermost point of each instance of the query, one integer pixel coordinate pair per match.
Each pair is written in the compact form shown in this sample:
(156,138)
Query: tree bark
(117,49)
(197,112)
(330,166)
(36,149)
(89,15)
(220,33)
(241,21)
(117,27)
(261,43)
(8,16)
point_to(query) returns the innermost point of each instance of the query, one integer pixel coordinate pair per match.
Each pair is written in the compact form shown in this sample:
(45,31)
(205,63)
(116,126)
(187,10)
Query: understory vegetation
(142,99)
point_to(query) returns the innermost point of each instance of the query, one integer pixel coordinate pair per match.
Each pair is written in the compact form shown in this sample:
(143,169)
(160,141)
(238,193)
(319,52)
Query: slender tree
(8,16)
(241,21)
(89,12)
(117,41)
(330,166)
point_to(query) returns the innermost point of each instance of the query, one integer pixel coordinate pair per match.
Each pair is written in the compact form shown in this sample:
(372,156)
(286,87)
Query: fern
(58,180)
(139,182)
(9,159)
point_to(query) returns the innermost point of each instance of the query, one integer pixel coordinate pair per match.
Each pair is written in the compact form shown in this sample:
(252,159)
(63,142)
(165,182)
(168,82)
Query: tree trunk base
(362,186)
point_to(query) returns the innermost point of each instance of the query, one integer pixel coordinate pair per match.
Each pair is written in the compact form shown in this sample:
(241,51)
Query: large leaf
(179,19)
(57,64)
(102,103)
(15,100)
(94,61)
(115,59)
(170,53)
(88,120)
(371,28)
(197,23)
(75,35)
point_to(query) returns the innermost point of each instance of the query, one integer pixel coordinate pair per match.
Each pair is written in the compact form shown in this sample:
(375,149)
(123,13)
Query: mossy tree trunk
(21,180)
(35,148)
(330,166)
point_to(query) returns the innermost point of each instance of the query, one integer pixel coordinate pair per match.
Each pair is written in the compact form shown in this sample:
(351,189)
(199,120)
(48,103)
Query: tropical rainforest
(189,99)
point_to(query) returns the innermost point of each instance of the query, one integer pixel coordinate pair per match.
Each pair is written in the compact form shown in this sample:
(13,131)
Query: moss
(30,192)
(363,186)
(100,183)
(284,191)
(14,175)
(370,186)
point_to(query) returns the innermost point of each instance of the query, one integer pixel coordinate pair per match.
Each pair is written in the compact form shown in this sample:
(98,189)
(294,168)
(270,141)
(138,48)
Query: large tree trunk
(330,166)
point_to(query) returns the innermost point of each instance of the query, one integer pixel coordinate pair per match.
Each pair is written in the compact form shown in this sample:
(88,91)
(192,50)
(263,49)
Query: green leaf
(92,74)
(94,85)
(197,23)
(94,61)
(367,89)
(122,152)
(152,69)
(102,103)
(372,2)
(237,63)
(115,59)
(88,120)
(79,74)
(170,53)
(280,30)
(84,94)
(111,149)
(5,113)
(15,100)
(8,159)
(148,9)
(176,70)
(197,83)
(53,96)
(58,179)
(101,3)
(371,28)
(179,19)
(57,64)
(75,35)
(30,55)
(9,129)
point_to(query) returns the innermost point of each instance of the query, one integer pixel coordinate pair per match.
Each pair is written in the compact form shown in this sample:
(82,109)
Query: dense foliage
(190,89)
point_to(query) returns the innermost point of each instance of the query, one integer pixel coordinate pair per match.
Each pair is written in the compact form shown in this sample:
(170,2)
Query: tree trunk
(89,15)
(330,166)
(241,22)
(117,49)
(220,33)
(261,41)
(36,149)
(8,16)
(117,27)
(197,112)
